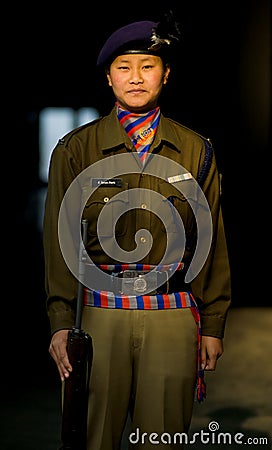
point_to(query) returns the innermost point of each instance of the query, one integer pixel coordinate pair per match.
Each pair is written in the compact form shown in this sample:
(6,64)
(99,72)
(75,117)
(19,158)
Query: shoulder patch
(206,163)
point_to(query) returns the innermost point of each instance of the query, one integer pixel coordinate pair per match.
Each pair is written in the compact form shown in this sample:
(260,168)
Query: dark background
(220,86)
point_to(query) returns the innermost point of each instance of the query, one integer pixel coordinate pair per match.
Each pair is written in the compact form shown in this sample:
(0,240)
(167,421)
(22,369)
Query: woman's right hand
(58,351)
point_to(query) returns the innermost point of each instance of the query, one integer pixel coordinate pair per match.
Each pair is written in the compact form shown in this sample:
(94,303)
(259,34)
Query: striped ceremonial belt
(104,299)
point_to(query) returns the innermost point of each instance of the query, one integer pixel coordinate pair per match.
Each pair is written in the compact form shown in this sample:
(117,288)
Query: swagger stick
(80,353)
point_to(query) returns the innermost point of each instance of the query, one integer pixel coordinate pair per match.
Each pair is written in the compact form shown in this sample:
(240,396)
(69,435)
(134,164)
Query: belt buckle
(134,282)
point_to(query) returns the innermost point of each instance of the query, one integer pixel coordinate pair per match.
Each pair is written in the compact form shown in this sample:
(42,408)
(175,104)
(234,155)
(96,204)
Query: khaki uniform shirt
(100,150)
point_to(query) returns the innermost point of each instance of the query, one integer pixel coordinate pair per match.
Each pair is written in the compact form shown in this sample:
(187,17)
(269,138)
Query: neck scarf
(141,128)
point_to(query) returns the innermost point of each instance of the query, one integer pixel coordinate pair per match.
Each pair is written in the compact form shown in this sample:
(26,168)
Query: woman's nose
(136,77)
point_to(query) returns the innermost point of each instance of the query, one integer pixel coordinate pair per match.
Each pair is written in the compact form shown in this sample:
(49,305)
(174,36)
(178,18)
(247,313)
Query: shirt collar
(112,140)
(119,137)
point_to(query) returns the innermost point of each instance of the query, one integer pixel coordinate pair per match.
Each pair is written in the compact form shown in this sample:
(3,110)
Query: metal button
(143,240)
(143,206)
(106,199)
(140,284)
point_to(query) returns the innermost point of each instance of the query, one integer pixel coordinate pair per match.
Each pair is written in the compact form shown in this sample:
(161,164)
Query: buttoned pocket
(106,201)
(175,207)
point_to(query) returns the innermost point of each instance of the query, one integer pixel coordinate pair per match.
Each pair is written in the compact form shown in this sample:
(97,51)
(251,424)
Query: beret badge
(157,42)
(165,33)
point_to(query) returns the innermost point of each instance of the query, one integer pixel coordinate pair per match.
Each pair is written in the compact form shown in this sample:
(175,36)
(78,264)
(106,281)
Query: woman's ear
(108,77)
(166,73)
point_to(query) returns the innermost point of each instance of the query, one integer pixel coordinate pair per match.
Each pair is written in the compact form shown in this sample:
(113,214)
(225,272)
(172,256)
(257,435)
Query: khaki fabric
(145,361)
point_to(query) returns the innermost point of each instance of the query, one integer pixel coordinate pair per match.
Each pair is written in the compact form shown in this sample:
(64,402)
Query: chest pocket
(104,198)
(175,205)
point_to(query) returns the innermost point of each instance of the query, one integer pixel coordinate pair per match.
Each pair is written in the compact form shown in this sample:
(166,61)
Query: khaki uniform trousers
(145,364)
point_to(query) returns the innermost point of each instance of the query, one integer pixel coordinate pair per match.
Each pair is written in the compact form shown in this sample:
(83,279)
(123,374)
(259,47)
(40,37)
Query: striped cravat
(141,128)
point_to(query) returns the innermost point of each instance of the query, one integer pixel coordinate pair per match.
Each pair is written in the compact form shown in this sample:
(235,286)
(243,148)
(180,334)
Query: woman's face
(137,81)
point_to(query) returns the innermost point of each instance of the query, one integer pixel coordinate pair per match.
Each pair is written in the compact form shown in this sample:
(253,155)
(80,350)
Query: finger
(211,363)
(65,364)
(58,352)
(203,358)
(64,373)
(64,368)
(60,367)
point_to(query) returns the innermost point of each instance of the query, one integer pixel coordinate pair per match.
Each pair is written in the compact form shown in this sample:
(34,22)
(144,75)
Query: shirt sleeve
(60,283)
(212,286)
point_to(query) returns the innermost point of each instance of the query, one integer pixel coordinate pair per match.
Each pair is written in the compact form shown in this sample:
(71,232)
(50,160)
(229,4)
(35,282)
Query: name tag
(106,182)
(181,177)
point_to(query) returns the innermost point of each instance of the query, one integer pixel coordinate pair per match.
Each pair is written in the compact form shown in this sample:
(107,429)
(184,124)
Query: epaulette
(67,137)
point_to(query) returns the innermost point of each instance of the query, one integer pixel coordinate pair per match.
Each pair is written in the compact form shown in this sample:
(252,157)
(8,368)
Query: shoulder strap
(66,138)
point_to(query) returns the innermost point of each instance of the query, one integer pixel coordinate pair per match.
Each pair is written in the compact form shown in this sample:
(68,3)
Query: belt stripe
(105,299)
(147,267)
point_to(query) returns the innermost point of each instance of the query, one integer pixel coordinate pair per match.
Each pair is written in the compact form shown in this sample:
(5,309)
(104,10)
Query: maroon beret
(136,37)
